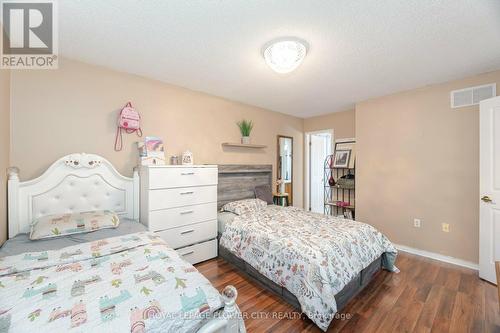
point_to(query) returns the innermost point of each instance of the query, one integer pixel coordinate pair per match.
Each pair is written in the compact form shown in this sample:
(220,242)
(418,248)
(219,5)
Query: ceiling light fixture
(284,55)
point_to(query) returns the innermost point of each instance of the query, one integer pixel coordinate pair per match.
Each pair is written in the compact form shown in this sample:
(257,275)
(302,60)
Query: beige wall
(418,158)
(74,109)
(4,148)
(342,123)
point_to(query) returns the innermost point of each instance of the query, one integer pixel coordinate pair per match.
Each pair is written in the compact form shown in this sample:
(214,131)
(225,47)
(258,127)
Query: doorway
(319,145)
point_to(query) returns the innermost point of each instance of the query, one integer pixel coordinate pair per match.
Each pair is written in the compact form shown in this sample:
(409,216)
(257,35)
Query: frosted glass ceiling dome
(284,55)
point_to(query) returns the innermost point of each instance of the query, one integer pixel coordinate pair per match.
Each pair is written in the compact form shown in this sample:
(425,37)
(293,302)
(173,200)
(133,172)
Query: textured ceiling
(358,48)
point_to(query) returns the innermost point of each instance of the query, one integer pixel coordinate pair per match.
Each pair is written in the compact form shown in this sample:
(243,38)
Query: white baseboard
(437,256)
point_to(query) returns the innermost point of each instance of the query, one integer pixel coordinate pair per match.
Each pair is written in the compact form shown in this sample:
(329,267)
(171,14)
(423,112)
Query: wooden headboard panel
(237,181)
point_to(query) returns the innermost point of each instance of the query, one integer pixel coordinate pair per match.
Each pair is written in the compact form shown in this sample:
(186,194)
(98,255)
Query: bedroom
(380,74)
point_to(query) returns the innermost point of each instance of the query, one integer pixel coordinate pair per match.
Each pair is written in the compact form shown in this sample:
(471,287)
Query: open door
(320,146)
(489,211)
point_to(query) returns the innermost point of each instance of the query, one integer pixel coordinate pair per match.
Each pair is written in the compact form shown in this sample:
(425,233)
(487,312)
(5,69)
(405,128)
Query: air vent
(472,95)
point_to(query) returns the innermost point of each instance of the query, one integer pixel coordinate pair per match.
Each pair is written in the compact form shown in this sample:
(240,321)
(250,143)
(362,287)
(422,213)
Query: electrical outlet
(446,227)
(417,223)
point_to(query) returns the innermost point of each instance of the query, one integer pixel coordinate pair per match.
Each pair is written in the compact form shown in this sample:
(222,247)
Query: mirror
(285,166)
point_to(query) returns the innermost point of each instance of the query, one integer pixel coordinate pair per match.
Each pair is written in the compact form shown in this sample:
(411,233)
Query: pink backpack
(128,120)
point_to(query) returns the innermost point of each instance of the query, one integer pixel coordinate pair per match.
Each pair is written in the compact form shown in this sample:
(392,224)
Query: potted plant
(245,129)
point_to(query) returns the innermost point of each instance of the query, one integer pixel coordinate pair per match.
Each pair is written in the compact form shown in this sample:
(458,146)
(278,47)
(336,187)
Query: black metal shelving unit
(335,194)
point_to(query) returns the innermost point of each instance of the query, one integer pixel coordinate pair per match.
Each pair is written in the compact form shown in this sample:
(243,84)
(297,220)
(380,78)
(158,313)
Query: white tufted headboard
(74,183)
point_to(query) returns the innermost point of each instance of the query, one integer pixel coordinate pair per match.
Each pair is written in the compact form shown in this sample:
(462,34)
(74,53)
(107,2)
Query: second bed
(317,263)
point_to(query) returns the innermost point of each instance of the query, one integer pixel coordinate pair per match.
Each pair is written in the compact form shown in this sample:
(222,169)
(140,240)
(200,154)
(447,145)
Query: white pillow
(67,224)
(245,206)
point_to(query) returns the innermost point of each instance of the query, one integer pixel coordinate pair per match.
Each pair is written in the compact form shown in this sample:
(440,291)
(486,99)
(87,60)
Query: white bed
(21,242)
(86,182)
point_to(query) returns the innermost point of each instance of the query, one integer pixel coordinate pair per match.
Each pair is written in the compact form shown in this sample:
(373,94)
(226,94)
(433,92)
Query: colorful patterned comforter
(132,283)
(314,256)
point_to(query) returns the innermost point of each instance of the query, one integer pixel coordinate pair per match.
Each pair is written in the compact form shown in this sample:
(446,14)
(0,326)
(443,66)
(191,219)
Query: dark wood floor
(426,296)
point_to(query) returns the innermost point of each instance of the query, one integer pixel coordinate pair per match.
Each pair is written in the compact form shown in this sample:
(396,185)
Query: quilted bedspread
(132,283)
(314,256)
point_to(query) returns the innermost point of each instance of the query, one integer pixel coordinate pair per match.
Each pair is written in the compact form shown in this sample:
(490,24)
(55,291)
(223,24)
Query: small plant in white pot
(245,129)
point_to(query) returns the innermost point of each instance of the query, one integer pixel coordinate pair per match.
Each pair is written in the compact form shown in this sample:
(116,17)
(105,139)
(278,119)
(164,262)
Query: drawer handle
(187,173)
(187,232)
(188,192)
(187,212)
(187,253)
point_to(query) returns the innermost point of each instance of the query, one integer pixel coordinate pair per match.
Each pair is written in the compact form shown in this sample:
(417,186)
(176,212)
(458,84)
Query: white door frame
(307,162)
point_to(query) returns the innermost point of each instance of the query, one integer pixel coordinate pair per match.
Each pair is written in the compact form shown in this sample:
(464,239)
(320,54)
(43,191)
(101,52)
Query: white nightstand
(179,203)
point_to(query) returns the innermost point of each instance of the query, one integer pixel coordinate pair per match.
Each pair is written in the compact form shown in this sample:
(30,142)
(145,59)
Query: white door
(320,147)
(489,211)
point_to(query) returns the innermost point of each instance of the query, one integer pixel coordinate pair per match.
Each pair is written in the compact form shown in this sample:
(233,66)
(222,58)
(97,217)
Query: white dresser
(179,203)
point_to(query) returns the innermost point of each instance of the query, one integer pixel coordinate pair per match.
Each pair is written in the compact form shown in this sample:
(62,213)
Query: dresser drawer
(181,216)
(181,177)
(190,234)
(199,252)
(182,196)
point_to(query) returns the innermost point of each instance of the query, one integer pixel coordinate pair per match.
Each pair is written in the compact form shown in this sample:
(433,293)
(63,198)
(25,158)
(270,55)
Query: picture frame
(151,151)
(342,158)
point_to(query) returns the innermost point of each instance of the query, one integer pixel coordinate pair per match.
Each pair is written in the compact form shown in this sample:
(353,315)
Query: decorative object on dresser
(174,160)
(340,170)
(245,127)
(187,158)
(151,151)
(179,203)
